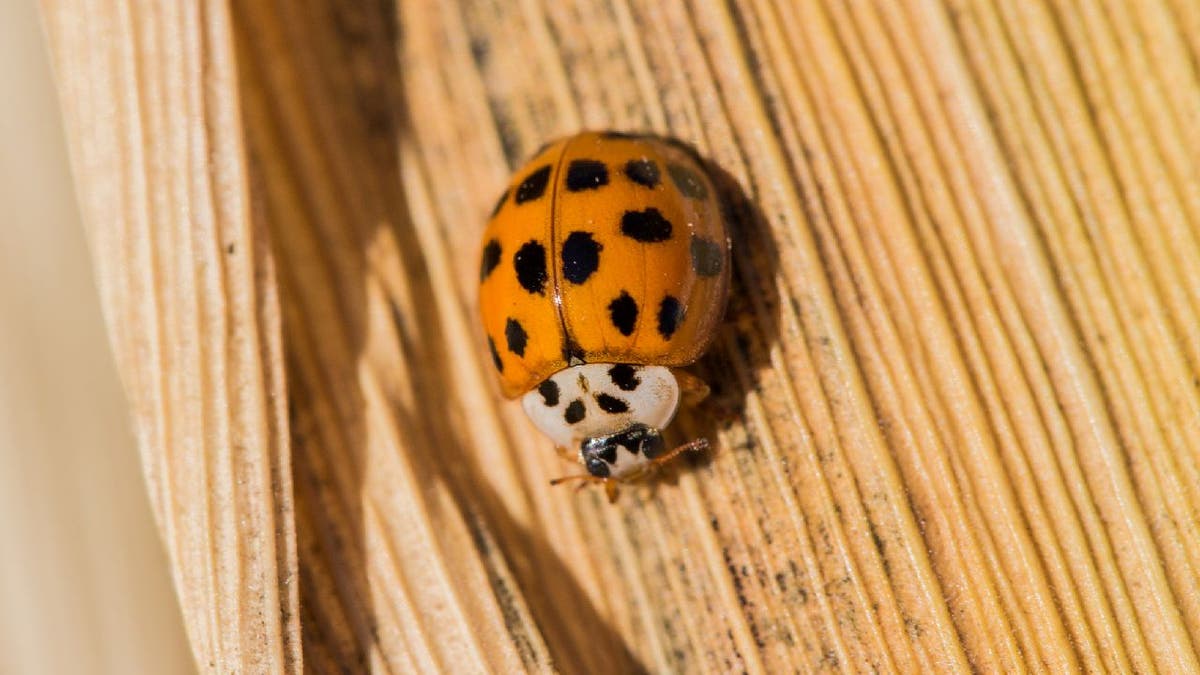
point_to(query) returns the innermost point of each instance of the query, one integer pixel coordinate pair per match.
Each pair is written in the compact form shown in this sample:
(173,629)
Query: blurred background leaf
(85,583)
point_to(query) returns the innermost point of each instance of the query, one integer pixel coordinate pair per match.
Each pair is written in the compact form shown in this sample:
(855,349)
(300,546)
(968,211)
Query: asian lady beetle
(604,267)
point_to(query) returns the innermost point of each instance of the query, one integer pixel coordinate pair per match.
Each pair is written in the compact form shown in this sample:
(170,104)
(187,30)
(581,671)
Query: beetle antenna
(584,477)
(698,445)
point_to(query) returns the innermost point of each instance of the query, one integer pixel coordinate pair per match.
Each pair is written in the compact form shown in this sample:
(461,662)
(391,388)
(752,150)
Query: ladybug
(604,268)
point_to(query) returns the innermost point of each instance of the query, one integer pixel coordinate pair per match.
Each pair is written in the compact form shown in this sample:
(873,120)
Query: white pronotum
(599,399)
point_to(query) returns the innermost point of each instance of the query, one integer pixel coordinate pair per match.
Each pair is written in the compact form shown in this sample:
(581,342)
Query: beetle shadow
(326,220)
(750,327)
(578,637)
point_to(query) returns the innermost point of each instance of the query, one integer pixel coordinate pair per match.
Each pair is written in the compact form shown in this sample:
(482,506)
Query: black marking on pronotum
(624,376)
(707,256)
(500,203)
(516,337)
(689,182)
(575,412)
(549,392)
(534,185)
(647,226)
(530,264)
(611,404)
(586,174)
(495,355)
(670,314)
(580,257)
(644,172)
(490,259)
(624,310)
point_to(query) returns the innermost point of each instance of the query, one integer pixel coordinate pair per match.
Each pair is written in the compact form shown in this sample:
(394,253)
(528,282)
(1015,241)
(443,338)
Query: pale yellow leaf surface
(956,408)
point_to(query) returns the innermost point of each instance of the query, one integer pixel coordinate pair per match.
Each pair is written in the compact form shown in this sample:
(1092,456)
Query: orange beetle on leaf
(604,269)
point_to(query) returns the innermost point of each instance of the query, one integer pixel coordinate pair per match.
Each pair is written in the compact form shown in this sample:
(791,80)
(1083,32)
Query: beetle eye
(597,467)
(652,446)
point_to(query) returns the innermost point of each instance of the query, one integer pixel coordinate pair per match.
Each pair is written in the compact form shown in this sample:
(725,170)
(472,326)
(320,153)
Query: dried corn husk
(957,398)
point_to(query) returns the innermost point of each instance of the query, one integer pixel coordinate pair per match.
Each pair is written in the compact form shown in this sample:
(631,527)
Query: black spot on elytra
(530,263)
(495,355)
(549,392)
(573,354)
(624,310)
(611,404)
(490,259)
(624,376)
(689,182)
(643,172)
(499,203)
(647,226)
(516,337)
(580,257)
(707,256)
(575,412)
(670,313)
(534,185)
(586,174)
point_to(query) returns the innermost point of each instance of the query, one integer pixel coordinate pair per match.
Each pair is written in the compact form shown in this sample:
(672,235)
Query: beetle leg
(566,454)
(610,490)
(583,478)
(610,484)
(692,390)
